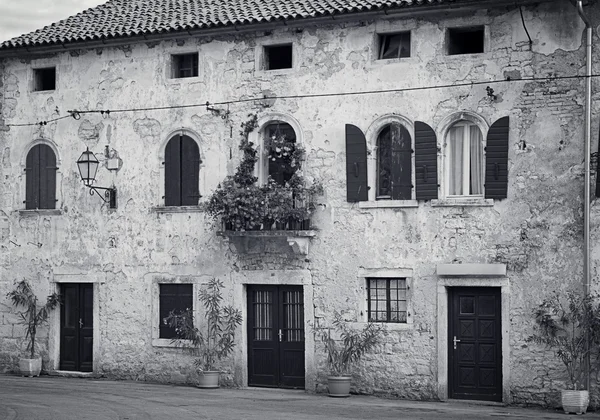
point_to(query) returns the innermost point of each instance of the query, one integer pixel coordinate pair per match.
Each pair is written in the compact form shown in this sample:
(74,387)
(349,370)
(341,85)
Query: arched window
(394,163)
(182,171)
(281,153)
(40,178)
(465,160)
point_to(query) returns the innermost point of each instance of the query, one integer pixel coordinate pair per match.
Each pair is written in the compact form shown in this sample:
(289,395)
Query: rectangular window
(278,57)
(184,65)
(395,45)
(386,300)
(465,40)
(44,79)
(173,297)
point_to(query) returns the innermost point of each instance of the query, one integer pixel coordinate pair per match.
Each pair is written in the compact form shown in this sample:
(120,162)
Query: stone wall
(536,232)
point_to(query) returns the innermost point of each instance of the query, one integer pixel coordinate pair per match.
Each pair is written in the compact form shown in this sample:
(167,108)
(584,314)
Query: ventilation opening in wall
(184,65)
(44,79)
(278,57)
(465,40)
(395,45)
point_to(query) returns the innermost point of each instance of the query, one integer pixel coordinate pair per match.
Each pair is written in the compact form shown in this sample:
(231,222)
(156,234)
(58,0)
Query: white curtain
(476,165)
(455,160)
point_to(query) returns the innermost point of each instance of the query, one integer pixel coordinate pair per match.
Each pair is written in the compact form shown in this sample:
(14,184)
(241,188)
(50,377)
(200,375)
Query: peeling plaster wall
(536,232)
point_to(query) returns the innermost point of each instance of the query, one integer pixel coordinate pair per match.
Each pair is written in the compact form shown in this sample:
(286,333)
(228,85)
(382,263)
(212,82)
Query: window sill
(376,62)
(178,209)
(40,212)
(178,80)
(166,342)
(276,72)
(388,326)
(383,204)
(463,202)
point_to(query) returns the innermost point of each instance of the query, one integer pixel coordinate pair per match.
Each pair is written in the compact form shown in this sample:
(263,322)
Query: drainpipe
(587,154)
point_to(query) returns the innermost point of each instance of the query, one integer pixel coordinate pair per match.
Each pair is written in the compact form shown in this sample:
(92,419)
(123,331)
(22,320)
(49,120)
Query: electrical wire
(76,114)
(524,26)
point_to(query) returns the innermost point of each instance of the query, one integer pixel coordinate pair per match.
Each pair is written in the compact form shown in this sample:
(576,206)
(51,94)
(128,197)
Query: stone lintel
(490,270)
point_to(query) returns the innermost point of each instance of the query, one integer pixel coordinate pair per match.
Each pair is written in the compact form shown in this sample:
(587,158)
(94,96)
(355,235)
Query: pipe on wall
(587,156)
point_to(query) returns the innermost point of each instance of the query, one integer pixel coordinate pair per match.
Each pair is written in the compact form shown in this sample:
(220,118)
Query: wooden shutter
(598,170)
(356,164)
(32,179)
(48,169)
(190,171)
(173,172)
(401,163)
(173,297)
(426,160)
(496,160)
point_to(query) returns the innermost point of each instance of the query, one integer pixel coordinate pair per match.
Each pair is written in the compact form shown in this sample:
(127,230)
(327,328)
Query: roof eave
(252,27)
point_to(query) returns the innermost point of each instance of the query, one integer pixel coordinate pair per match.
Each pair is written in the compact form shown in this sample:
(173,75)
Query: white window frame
(257,137)
(386,273)
(372,136)
(466,152)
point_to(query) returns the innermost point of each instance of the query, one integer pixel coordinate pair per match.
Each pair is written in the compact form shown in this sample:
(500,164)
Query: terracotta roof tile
(122,18)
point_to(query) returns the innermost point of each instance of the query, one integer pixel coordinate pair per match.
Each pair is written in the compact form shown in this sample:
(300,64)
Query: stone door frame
(442,328)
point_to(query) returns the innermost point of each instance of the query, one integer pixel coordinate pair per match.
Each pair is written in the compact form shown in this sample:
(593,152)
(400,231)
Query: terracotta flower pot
(575,401)
(30,367)
(339,386)
(208,379)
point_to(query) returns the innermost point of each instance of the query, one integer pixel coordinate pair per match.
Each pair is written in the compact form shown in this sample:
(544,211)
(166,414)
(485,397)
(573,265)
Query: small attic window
(44,79)
(395,45)
(278,57)
(184,65)
(468,40)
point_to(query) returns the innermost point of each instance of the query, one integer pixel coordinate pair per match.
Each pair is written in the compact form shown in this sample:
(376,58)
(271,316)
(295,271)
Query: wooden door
(475,344)
(76,327)
(276,336)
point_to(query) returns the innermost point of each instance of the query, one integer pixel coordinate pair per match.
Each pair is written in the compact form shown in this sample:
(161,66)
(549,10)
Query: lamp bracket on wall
(88,165)
(109,196)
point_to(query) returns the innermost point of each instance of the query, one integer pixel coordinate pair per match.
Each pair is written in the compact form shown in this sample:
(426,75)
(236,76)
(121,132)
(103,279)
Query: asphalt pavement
(57,398)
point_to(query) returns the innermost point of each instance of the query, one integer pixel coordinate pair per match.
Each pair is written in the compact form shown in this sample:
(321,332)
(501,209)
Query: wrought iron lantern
(88,166)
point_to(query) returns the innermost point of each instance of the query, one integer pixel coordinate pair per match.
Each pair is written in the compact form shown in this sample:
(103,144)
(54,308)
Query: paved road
(52,398)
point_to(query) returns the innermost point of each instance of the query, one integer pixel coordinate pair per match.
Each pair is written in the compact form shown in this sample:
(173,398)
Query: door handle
(280,336)
(80,323)
(455,341)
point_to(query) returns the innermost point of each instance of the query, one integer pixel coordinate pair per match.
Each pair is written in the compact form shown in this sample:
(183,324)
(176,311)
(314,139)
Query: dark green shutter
(496,160)
(48,170)
(598,170)
(173,172)
(32,179)
(426,160)
(173,297)
(356,164)
(190,170)
(401,163)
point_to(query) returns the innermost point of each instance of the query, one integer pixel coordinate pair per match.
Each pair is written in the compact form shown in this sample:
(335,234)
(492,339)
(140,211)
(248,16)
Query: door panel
(77,325)
(276,336)
(475,344)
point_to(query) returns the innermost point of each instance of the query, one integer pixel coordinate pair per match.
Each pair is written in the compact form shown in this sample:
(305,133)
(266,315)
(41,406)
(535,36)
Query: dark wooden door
(76,327)
(475,344)
(276,336)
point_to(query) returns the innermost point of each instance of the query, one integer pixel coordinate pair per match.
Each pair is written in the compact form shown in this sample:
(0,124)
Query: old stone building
(448,137)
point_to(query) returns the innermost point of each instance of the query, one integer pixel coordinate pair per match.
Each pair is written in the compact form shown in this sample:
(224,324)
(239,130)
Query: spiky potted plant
(215,340)
(345,352)
(32,316)
(565,324)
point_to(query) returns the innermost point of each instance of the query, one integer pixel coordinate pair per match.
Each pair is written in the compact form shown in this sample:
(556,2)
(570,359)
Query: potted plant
(241,204)
(32,316)
(344,353)
(215,341)
(564,324)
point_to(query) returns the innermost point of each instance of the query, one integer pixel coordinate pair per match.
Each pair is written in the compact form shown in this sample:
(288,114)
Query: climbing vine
(242,204)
